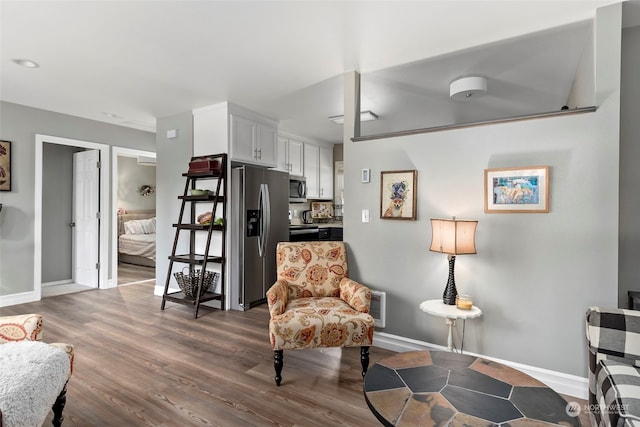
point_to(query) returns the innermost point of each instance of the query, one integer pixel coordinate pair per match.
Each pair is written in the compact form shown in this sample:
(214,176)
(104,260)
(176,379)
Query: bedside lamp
(452,237)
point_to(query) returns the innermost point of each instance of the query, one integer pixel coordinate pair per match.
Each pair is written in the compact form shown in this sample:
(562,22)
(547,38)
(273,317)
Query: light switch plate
(365,215)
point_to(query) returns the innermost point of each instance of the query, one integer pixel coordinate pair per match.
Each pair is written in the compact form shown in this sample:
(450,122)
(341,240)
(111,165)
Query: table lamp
(452,237)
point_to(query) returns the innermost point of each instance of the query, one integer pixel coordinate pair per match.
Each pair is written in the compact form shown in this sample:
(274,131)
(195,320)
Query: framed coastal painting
(516,190)
(398,194)
(5,166)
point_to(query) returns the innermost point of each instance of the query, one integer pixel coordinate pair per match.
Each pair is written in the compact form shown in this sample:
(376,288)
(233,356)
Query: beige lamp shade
(453,236)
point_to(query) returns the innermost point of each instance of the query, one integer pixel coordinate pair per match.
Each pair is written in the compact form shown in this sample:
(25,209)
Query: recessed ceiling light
(26,63)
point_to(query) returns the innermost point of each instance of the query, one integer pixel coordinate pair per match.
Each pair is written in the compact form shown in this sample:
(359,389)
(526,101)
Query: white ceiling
(140,60)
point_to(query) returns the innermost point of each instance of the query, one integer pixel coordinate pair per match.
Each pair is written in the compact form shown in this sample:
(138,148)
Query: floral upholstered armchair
(21,337)
(314,304)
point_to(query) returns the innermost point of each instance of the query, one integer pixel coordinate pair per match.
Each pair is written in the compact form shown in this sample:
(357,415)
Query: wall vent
(378,308)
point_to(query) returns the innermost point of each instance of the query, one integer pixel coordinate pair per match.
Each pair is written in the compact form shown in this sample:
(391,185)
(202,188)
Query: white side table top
(437,308)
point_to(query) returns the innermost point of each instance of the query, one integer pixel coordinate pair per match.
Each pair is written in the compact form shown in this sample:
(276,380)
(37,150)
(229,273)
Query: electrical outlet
(365,215)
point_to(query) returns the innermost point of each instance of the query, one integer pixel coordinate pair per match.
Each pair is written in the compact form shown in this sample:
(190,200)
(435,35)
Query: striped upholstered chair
(314,304)
(613,336)
(20,341)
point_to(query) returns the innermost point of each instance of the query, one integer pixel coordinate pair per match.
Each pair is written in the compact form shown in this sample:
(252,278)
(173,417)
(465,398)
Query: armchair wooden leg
(58,406)
(278,363)
(364,359)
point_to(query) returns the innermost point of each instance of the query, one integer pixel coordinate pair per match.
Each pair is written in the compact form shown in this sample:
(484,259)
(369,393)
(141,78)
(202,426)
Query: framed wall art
(398,194)
(516,190)
(5,166)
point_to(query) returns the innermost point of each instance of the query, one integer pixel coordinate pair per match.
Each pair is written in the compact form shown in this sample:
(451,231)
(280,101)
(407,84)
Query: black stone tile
(476,381)
(542,404)
(450,360)
(424,378)
(481,405)
(381,378)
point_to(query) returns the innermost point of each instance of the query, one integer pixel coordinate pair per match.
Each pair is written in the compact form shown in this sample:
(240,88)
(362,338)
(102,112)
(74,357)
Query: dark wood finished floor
(139,366)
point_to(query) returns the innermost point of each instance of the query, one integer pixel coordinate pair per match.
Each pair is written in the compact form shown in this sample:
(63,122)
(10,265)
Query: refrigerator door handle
(261,209)
(266,215)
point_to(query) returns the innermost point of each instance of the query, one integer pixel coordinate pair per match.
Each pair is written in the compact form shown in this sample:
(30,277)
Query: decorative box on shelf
(204,164)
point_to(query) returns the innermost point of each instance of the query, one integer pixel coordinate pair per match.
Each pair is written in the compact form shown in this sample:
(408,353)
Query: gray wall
(534,275)
(131,176)
(629,170)
(172,157)
(20,124)
(57,211)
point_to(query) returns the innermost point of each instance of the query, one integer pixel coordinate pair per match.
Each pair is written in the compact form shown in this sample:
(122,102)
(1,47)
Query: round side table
(436,307)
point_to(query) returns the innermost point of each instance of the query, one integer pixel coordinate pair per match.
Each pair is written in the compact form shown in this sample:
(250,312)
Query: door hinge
(97,215)
(97,266)
(98,164)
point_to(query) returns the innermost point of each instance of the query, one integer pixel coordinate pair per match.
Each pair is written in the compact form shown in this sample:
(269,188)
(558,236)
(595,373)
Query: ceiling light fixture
(26,63)
(467,88)
(365,116)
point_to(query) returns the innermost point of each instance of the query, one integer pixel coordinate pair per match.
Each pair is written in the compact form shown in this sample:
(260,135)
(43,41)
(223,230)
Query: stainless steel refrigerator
(260,219)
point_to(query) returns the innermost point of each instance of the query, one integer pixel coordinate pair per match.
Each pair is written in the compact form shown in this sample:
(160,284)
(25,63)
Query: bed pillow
(140,226)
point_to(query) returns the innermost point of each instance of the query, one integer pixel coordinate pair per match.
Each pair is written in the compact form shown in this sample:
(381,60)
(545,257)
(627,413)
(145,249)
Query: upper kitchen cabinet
(290,155)
(253,141)
(318,169)
(247,136)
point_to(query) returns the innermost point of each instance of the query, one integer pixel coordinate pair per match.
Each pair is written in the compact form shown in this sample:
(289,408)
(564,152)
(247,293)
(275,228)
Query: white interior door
(86,208)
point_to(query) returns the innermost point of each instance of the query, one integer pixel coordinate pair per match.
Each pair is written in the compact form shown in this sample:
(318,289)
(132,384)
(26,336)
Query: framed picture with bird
(398,194)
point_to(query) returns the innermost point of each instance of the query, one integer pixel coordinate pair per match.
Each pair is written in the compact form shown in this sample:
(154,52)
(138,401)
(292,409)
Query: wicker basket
(188,283)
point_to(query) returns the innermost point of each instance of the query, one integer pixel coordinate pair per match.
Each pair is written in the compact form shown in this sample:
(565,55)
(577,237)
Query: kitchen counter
(329,224)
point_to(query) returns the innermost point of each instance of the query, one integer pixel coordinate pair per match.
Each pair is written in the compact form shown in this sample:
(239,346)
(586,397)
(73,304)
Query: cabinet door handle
(260,154)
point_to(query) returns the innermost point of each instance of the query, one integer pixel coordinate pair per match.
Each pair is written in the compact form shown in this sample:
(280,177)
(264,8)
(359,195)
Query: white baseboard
(15,299)
(560,382)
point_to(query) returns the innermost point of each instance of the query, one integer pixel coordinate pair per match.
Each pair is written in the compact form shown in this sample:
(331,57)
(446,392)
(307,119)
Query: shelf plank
(205,198)
(181,298)
(198,227)
(195,259)
(203,175)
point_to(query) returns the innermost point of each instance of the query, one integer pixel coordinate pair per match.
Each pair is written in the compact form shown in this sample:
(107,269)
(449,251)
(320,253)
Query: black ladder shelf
(216,198)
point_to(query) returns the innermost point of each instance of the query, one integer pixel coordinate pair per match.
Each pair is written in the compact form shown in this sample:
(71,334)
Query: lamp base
(450,292)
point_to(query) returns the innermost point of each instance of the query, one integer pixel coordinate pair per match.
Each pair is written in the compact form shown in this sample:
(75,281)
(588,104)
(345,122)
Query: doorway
(98,241)
(133,199)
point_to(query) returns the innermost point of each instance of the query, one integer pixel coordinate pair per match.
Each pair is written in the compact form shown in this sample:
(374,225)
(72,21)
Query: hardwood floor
(139,366)
(129,273)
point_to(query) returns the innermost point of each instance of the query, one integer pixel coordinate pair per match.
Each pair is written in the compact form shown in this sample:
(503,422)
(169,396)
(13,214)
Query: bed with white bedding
(137,238)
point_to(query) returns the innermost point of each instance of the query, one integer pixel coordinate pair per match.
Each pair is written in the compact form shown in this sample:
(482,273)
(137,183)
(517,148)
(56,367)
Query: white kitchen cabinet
(253,142)
(312,170)
(290,156)
(326,173)
(318,169)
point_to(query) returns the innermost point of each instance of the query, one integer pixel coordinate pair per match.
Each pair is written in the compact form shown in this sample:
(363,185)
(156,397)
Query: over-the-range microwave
(297,189)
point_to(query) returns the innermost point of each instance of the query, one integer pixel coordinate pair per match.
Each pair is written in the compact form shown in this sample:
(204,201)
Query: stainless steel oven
(297,189)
